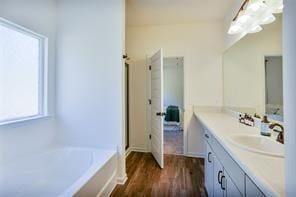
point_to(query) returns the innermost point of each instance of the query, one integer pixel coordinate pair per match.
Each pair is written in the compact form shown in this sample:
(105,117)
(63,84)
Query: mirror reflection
(252,72)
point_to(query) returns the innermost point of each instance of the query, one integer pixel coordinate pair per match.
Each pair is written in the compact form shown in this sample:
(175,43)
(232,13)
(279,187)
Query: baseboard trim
(122,180)
(196,155)
(127,152)
(142,150)
(109,186)
(136,149)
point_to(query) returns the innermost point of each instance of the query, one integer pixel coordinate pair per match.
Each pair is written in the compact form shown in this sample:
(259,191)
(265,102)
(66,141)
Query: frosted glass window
(21,73)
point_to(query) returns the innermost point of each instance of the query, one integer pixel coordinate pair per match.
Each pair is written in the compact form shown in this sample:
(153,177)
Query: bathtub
(61,172)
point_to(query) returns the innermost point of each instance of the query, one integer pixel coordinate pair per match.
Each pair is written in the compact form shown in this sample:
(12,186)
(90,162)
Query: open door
(157,113)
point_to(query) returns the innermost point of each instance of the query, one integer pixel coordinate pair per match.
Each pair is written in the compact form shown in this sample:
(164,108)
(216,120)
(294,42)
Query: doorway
(274,87)
(173,81)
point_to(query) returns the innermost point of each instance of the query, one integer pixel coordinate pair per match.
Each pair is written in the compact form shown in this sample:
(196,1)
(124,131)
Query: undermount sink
(258,144)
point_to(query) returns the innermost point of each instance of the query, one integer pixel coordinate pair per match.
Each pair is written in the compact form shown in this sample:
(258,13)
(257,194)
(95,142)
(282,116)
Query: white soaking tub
(60,172)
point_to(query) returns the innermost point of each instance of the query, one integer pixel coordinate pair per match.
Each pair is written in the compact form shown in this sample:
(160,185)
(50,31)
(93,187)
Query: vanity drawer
(232,168)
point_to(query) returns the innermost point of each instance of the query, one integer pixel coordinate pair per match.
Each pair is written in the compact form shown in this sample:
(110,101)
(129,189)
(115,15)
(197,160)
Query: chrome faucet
(280,137)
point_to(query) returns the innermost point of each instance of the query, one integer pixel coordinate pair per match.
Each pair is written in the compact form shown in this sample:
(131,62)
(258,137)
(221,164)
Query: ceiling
(167,12)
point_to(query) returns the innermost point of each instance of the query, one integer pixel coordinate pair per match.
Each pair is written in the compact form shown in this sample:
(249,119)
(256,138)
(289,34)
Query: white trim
(148,106)
(195,155)
(109,186)
(122,180)
(20,28)
(24,119)
(176,154)
(137,149)
(127,152)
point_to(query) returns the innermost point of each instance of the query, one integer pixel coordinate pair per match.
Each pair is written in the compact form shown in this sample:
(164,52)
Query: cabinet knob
(160,114)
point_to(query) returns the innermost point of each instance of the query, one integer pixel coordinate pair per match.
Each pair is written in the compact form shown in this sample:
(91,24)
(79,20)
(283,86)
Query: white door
(209,171)
(231,189)
(157,113)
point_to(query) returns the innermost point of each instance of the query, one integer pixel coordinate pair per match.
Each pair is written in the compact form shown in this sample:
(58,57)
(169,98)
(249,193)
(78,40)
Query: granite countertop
(267,172)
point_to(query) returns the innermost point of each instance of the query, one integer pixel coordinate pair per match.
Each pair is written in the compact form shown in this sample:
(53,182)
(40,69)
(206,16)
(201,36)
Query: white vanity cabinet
(252,189)
(217,181)
(223,176)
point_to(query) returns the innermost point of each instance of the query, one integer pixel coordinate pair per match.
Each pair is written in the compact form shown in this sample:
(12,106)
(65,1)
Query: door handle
(220,179)
(160,114)
(222,182)
(209,153)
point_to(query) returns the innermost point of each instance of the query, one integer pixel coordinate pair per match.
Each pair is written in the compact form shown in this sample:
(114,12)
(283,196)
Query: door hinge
(160,113)
(150,67)
(149,101)
(150,136)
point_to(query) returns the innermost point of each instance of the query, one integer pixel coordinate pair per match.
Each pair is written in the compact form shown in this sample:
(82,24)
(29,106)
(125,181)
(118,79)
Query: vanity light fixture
(235,28)
(275,6)
(254,6)
(255,29)
(268,19)
(253,14)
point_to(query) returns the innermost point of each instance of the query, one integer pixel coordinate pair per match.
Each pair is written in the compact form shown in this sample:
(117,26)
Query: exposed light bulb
(235,28)
(255,5)
(255,29)
(277,11)
(275,6)
(267,20)
(243,18)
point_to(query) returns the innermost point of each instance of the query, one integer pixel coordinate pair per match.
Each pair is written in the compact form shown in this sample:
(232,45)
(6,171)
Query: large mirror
(252,73)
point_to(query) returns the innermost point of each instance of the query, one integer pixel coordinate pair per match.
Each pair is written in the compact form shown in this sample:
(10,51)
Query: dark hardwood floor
(181,176)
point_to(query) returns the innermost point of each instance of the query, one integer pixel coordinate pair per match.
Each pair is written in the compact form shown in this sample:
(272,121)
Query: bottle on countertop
(265,130)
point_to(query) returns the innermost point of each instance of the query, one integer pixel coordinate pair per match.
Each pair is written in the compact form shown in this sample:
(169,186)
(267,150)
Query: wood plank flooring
(181,176)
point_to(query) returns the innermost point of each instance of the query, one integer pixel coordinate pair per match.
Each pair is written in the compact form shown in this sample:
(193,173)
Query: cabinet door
(218,173)
(230,189)
(209,170)
(251,189)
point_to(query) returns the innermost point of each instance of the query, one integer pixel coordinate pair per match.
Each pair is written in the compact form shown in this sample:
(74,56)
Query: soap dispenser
(265,130)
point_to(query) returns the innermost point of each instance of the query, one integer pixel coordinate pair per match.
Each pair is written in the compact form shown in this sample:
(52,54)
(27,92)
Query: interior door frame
(127,106)
(148,76)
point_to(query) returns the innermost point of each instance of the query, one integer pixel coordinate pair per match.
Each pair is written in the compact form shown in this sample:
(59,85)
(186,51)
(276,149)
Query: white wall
(27,137)
(173,82)
(289,72)
(89,84)
(90,73)
(244,67)
(201,46)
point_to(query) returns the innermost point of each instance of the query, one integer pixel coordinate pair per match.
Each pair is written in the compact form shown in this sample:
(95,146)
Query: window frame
(43,72)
